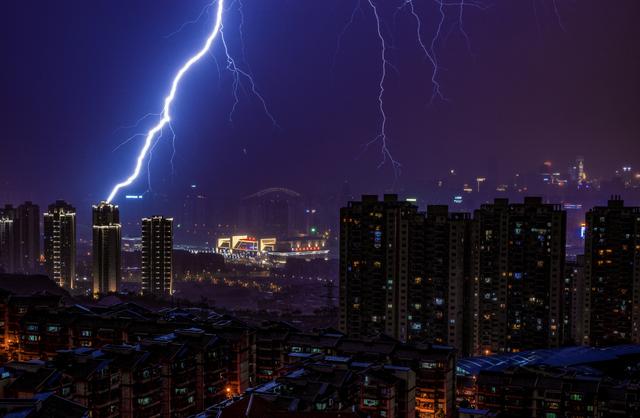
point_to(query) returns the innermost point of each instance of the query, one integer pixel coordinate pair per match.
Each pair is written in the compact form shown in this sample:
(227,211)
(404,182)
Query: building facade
(612,275)
(107,237)
(157,259)
(380,253)
(27,232)
(574,302)
(518,259)
(60,243)
(440,284)
(7,239)
(404,273)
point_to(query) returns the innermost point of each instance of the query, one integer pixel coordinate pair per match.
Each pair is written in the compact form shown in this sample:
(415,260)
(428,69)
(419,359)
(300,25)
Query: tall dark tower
(157,248)
(518,270)
(27,230)
(7,239)
(612,275)
(107,236)
(437,309)
(381,250)
(60,243)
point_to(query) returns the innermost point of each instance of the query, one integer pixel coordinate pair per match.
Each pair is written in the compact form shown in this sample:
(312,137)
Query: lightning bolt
(166,111)
(429,49)
(239,75)
(382,135)
(429,53)
(153,147)
(240,11)
(356,9)
(204,10)
(556,10)
(461,25)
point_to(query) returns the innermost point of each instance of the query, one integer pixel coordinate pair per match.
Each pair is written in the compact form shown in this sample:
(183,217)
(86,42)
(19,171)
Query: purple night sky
(532,86)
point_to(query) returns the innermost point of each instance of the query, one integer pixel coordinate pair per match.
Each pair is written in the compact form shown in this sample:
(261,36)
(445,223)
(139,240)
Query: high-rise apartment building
(60,243)
(404,273)
(8,241)
(381,250)
(107,237)
(20,238)
(27,230)
(518,255)
(439,289)
(157,247)
(612,275)
(573,304)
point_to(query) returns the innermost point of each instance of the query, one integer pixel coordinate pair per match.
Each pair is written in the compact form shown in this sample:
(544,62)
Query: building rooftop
(31,285)
(46,405)
(579,358)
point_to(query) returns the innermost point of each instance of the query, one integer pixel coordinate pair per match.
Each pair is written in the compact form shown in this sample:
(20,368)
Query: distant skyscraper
(7,239)
(275,211)
(27,230)
(612,275)
(195,223)
(577,172)
(60,243)
(106,248)
(518,262)
(157,247)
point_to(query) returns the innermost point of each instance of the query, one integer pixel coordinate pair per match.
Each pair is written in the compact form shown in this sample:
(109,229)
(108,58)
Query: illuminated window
(377,239)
